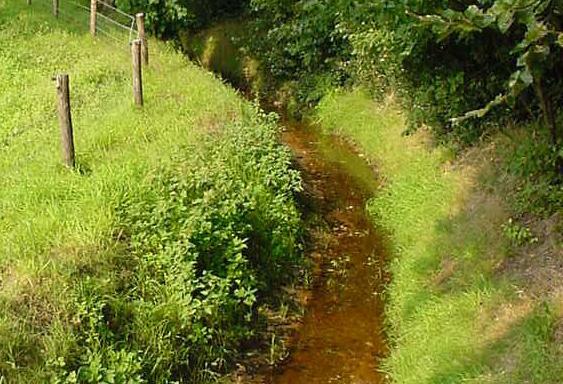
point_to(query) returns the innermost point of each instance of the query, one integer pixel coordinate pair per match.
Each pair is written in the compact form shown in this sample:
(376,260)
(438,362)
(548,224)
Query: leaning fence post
(65,120)
(93,16)
(56,8)
(137,72)
(142,36)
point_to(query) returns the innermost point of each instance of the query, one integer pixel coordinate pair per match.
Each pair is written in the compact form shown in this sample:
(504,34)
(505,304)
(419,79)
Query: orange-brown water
(341,338)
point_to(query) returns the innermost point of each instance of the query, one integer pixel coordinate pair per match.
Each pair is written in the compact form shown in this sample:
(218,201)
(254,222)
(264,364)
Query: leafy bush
(300,46)
(444,58)
(206,235)
(167,18)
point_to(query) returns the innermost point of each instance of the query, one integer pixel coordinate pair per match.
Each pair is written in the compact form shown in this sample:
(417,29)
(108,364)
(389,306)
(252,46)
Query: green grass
(147,263)
(454,314)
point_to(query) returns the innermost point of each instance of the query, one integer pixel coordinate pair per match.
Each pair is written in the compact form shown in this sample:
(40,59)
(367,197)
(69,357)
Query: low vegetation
(148,262)
(475,295)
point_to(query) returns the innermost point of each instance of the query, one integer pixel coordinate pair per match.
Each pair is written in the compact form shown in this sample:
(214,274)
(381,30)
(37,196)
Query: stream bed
(341,338)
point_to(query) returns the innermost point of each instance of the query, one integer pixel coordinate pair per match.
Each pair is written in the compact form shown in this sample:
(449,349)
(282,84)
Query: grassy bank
(475,296)
(147,263)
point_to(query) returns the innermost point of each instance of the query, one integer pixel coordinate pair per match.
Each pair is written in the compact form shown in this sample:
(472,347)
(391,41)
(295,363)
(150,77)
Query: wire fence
(101,19)
(112,23)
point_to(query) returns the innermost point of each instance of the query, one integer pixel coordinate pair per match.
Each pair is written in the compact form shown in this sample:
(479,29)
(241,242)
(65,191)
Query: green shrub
(449,61)
(167,18)
(207,235)
(301,47)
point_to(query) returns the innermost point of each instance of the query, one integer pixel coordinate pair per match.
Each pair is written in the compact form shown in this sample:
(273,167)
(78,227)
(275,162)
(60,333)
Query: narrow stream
(341,339)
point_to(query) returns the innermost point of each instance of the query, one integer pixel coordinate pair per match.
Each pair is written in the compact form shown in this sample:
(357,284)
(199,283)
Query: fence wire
(117,26)
(116,14)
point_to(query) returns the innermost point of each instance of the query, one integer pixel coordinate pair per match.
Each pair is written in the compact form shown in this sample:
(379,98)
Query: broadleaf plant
(534,53)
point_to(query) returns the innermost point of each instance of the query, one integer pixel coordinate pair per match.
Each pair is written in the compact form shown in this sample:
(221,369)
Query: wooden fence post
(137,72)
(56,8)
(142,36)
(65,120)
(93,16)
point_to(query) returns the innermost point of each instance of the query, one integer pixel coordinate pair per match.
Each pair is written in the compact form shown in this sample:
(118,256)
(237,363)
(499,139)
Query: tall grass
(454,315)
(147,263)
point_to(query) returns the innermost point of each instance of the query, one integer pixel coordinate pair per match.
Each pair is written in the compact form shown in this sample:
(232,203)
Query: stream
(341,337)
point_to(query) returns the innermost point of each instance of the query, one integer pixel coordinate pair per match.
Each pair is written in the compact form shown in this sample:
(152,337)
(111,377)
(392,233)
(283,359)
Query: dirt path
(340,340)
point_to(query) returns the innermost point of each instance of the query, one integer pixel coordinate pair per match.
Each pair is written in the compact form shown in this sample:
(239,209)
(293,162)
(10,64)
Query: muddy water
(341,338)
